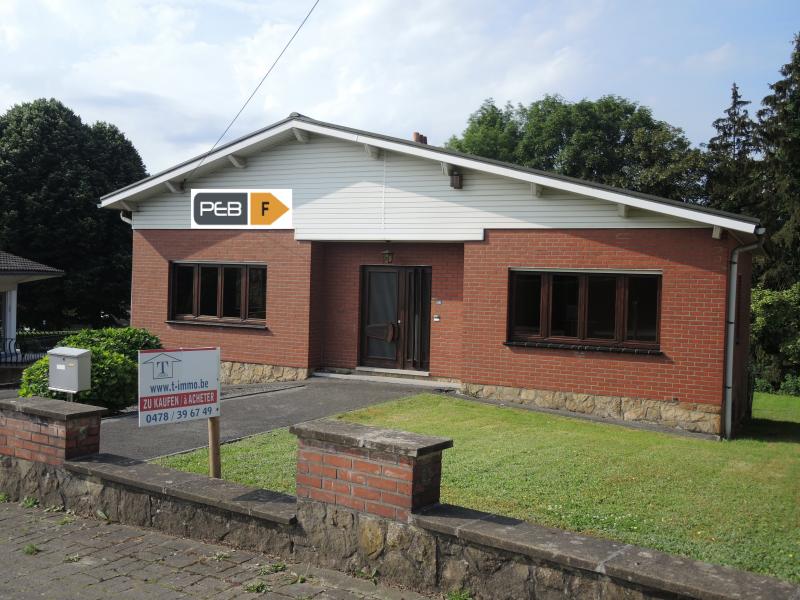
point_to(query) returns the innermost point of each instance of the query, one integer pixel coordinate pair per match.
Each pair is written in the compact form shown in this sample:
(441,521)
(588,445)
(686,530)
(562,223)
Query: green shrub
(791,385)
(775,336)
(124,340)
(114,366)
(114,381)
(762,385)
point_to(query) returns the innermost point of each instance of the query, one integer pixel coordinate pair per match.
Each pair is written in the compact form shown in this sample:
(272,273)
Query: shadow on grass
(767,430)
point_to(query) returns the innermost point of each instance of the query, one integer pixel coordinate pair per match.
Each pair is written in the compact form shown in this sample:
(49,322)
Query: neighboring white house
(13,271)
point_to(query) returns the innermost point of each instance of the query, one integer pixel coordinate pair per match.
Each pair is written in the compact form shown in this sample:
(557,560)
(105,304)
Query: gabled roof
(11,264)
(295,124)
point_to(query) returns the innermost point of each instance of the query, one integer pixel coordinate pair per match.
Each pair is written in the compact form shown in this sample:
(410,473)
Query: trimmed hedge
(114,367)
(125,340)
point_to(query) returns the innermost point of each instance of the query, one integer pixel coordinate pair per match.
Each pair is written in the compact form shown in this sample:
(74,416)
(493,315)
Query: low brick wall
(689,416)
(346,464)
(237,373)
(48,431)
(430,547)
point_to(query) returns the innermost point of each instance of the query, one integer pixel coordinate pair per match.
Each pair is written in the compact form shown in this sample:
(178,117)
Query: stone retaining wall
(696,417)
(443,548)
(434,548)
(237,373)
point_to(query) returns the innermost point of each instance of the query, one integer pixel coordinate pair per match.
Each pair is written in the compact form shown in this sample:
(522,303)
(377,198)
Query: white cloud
(718,57)
(171,74)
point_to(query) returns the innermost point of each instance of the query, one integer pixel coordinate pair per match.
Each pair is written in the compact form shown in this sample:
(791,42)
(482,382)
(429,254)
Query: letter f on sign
(265,208)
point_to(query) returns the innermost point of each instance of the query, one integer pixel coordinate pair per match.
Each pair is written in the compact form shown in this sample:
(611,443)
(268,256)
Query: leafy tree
(610,140)
(733,181)
(779,136)
(53,170)
(491,132)
(775,336)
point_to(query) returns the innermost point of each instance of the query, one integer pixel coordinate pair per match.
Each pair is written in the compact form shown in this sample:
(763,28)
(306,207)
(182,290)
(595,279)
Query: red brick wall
(383,484)
(692,312)
(313,305)
(285,342)
(40,439)
(341,268)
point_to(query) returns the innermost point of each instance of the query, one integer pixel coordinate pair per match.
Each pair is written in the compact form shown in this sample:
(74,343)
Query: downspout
(129,221)
(730,337)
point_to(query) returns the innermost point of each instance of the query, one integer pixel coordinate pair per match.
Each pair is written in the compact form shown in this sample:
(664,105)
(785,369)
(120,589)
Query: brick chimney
(419,138)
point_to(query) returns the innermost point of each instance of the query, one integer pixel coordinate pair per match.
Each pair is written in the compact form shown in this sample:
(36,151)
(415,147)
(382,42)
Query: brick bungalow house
(392,256)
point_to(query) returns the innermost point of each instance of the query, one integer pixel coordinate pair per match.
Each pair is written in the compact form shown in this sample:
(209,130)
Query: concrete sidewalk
(247,410)
(71,558)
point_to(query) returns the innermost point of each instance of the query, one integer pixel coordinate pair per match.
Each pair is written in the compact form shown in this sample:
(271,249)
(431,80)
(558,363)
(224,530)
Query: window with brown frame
(218,293)
(594,309)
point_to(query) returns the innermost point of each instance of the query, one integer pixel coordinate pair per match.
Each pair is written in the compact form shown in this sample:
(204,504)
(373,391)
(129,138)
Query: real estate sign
(178,385)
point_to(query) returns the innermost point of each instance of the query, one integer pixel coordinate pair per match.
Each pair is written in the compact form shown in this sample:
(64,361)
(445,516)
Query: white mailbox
(70,369)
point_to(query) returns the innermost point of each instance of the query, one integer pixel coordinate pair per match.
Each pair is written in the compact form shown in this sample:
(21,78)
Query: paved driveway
(247,410)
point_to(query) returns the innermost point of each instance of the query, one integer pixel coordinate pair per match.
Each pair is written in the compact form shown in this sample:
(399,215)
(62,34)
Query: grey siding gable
(340,193)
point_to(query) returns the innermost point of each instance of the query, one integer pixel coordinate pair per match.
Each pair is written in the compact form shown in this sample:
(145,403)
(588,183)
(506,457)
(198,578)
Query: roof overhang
(11,279)
(286,129)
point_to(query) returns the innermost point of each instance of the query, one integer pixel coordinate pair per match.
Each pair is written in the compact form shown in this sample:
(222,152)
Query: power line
(260,83)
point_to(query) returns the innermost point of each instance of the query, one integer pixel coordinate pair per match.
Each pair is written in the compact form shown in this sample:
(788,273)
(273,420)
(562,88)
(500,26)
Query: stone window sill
(585,347)
(262,327)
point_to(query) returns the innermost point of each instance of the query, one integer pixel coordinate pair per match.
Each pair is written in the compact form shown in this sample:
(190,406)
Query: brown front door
(395,317)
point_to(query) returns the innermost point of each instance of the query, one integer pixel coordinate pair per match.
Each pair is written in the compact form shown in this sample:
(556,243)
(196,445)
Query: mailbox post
(70,370)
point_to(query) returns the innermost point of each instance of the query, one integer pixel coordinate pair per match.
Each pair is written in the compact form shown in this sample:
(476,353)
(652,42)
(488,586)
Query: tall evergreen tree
(779,136)
(53,170)
(733,182)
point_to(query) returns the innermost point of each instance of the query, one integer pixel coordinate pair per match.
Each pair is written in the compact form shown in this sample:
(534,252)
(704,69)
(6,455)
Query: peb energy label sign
(242,209)
(178,385)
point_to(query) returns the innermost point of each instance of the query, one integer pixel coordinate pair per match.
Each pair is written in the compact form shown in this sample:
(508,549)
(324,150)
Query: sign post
(214,466)
(182,385)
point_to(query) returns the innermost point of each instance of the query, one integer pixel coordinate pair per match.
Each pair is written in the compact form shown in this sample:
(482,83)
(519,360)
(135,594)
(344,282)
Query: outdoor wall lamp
(388,256)
(456,180)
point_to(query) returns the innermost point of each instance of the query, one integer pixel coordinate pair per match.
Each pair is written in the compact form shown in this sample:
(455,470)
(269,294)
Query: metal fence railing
(26,349)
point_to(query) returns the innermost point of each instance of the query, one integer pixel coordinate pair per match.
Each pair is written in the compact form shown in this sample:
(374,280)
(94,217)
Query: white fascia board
(189,167)
(435,155)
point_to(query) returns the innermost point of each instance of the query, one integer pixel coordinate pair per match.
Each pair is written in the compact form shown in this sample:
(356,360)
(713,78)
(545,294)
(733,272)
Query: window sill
(217,324)
(585,347)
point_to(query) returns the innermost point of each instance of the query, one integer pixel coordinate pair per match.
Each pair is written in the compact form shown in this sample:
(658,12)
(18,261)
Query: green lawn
(735,503)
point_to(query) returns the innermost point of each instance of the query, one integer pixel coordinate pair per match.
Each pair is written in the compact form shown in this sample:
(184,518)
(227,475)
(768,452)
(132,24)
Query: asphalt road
(247,410)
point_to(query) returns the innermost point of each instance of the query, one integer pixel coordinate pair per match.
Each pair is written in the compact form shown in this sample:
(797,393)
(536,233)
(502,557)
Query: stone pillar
(377,471)
(48,431)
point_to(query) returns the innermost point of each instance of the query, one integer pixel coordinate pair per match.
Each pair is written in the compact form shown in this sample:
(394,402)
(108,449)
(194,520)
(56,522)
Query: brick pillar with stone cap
(371,470)
(48,431)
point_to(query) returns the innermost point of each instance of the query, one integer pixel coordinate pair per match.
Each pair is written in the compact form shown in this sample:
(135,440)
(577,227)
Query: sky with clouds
(171,74)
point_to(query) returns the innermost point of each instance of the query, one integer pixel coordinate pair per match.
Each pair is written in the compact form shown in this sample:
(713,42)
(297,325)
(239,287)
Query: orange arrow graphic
(265,208)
